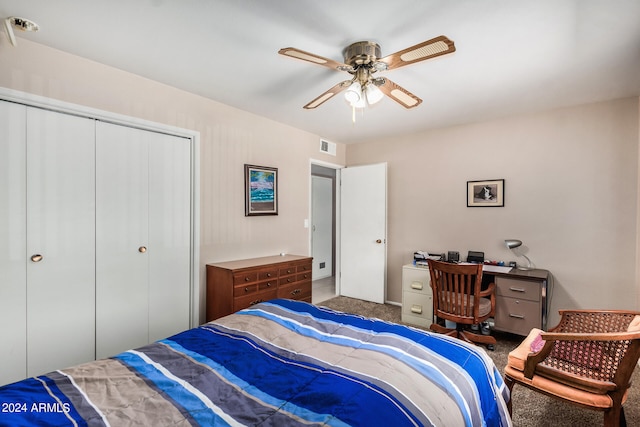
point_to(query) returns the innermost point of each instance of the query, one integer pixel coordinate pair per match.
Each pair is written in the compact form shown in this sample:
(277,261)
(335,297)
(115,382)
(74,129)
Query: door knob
(142,249)
(379,241)
(36,258)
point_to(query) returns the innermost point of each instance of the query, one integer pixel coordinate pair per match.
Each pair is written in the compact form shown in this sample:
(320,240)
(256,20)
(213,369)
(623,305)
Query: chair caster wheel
(491,347)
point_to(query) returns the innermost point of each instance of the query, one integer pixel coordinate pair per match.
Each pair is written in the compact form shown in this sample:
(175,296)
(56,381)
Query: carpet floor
(530,409)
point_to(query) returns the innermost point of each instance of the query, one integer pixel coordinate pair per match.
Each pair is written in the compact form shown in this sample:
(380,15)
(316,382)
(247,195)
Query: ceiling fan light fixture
(373,93)
(353,94)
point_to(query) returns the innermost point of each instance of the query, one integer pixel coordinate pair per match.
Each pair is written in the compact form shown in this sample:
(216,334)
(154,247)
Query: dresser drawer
(516,315)
(290,269)
(239,291)
(245,277)
(304,268)
(416,280)
(268,274)
(299,291)
(240,303)
(301,277)
(520,289)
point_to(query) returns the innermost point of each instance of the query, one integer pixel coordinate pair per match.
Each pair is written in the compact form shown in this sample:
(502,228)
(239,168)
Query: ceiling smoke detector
(21,24)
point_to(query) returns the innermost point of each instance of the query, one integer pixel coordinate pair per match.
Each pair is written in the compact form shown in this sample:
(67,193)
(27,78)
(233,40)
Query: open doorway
(323,232)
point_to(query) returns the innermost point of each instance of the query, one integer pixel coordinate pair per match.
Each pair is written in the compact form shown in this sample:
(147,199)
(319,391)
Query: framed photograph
(260,190)
(486,194)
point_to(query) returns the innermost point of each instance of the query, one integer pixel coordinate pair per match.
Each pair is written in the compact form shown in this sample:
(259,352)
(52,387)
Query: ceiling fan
(363,60)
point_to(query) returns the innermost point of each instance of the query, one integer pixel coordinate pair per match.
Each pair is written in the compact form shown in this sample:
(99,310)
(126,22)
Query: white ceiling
(513,56)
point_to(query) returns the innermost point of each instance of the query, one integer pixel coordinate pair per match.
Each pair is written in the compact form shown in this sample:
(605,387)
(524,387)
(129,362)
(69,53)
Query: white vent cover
(327,147)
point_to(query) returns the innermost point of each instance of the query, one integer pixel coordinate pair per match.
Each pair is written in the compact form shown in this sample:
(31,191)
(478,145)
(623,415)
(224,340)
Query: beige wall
(229,138)
(571,178)
(571,190)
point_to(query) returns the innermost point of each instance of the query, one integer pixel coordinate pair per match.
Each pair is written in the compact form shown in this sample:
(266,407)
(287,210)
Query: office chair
(458,297)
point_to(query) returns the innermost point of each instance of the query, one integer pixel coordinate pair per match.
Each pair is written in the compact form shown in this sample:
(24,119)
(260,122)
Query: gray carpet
(530,409)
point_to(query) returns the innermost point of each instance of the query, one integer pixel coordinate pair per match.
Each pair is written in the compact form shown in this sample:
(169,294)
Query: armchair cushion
(518,356)
(634,326)
(559,390)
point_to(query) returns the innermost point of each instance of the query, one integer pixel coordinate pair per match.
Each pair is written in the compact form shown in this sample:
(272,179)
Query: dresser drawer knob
(289,271)
(296,291)
(268,284)
(288,280)
(246,279)
(256,302)
(416,285)
(417,309)
(246,289)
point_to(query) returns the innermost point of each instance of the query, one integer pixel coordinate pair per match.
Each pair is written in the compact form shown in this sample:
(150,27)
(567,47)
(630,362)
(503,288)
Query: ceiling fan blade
(328,95)
(440,45)
(399,94)
(313,58)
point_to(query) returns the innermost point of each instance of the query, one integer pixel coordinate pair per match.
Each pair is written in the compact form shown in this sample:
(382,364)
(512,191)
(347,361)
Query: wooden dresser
(235,285)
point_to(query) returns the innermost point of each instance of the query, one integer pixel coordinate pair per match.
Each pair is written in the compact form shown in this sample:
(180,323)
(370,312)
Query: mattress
(277,363)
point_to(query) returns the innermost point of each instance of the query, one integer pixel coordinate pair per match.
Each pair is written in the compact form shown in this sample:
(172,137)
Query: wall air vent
(327,147)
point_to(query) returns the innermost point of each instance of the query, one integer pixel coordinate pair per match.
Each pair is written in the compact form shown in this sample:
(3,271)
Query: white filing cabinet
(417,299)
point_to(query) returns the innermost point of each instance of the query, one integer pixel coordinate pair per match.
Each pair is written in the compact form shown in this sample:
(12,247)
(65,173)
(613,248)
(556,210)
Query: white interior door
(122,239)
(60,240)
(169,235)
(322,226)
(13,235)
(363,231)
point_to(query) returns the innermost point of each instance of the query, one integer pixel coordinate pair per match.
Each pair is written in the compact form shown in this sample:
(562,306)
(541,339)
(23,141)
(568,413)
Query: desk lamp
(514,243)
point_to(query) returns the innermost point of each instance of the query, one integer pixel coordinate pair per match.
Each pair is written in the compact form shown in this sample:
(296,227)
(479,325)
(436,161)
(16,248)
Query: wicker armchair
(586,360)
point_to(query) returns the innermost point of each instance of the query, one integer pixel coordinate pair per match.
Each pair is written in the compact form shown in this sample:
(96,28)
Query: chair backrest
(599,347)
(456,291)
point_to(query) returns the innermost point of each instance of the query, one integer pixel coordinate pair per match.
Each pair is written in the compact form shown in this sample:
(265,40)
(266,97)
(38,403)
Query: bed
(277,363)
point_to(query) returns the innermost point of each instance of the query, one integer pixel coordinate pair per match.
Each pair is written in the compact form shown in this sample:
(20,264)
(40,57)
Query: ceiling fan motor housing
(360,53)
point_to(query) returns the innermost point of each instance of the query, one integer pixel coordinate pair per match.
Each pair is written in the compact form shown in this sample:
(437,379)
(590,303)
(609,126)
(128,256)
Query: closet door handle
(142,249)
(36,258)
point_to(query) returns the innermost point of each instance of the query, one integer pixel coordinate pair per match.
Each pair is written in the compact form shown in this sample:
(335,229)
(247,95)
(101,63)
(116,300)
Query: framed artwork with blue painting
(260,190)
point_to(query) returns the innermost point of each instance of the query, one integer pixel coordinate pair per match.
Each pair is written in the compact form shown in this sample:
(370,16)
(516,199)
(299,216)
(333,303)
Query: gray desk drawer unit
(417,302)
(521,301)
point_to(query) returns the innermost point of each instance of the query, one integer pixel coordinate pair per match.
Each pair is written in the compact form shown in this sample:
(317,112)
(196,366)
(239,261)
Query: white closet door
(169,235)
(60,240)
(122,170)
(13,276)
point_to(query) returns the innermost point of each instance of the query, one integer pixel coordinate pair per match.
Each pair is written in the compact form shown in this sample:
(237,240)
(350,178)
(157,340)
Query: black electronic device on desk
(453,256)
(475,257)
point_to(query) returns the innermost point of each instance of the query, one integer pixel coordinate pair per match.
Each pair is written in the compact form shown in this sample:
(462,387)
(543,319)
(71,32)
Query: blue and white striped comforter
(278,363)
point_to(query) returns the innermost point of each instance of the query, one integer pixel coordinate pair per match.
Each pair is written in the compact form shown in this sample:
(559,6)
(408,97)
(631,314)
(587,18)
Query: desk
(521,298)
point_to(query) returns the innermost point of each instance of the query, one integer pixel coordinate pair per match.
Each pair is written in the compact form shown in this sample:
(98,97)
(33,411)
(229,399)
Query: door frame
(196,288)
(336,208)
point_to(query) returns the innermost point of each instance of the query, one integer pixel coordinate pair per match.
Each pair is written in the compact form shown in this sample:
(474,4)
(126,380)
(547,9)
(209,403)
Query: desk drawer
(417,308)
(516,315)
(520,289)
(416,280)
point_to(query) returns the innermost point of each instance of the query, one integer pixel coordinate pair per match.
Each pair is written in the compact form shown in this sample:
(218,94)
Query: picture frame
(485,194)
(260,190)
